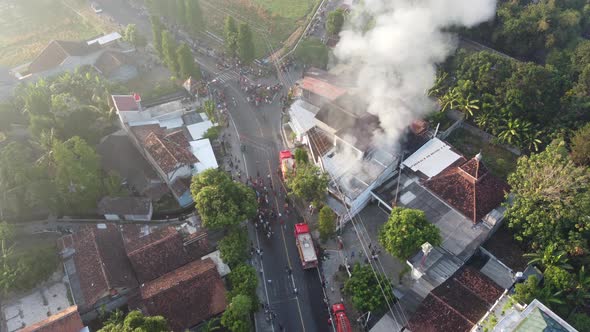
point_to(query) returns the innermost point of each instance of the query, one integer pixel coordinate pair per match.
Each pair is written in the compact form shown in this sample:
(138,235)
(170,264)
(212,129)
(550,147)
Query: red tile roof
(169,151)
(56,52)
(142,132)
(185,296)
(125,103)
(322,88)
(67,320)
(101,263)
(163,252)
(469,187)
(457,304)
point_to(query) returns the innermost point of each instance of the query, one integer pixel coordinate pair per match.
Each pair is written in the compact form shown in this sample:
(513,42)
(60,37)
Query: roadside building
(126,208)
(535,317)
(67,320)
(107,263)
(170,137)
(105,54)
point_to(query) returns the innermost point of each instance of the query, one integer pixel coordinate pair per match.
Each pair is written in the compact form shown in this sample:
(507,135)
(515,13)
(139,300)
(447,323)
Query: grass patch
(35,262)
(499,161)
(277,18)
(287,8)
(27,26)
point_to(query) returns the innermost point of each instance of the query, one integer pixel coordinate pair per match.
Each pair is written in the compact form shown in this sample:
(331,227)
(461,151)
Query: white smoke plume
(395,61)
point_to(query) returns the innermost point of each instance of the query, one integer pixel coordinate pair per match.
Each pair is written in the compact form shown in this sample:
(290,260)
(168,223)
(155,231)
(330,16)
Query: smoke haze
(395,61)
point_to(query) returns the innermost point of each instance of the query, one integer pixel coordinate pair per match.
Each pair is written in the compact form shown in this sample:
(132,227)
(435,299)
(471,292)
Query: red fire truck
(340,318)
(287,163)
(309,258)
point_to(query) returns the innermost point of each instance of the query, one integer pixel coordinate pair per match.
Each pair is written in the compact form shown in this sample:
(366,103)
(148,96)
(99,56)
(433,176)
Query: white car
(96,8)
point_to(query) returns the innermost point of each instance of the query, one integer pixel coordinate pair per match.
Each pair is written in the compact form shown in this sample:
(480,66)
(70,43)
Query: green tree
(169,52)
(230,33)
(527,291)
(8,274)
(157,28)
(16,176)
(77,175)
(405,231)
(212,133)
(334,21)
(579,297)
(551,201)
(233,248)
(580,146)
(181,12)
(580,322)
(133,36)
(135,321)
(311,51)
(243,279)
(209,109)
(236,317)
(186,63)
(327,223)
(550,256)
(308,183)
(194,16)
(220,201)
(245,44)
(368,293)
(557,278)
(301,156)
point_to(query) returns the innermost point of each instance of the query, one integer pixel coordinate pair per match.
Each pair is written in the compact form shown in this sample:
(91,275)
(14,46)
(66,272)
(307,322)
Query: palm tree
(513,130)
(449,100)
(531,140)
(550,256)
(580,294)
(467,105)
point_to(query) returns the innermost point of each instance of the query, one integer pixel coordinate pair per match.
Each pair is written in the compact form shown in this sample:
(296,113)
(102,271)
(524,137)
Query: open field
(26,26)
(276,19)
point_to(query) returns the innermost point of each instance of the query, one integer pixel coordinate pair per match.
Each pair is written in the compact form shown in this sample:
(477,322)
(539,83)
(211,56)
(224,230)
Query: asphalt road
(258,129)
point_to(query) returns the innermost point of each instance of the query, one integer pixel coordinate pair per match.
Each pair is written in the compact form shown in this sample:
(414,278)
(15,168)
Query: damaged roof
(469,187)
(186,296)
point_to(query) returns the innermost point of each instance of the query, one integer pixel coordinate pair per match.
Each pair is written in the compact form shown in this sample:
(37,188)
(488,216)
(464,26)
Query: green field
(27,26)
(271,20)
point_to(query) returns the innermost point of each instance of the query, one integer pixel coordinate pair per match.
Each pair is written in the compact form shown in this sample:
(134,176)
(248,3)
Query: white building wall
(111,217)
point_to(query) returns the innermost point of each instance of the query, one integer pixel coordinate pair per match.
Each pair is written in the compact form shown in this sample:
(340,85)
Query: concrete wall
(111,217)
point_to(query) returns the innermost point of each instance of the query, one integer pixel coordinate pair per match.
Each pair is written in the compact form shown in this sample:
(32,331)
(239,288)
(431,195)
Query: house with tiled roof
(186,296)
(60,55)
(98,270)
(170,138)
(469,187)
(105,265)
(67,320)
(157,253)
(456,305)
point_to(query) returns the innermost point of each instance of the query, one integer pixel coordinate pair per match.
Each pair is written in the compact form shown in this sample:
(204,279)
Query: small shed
(126,208)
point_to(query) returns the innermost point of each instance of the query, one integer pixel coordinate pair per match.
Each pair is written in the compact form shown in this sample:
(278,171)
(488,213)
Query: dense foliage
(312,52)
(243,280)
(220,201)
(236,317)
(308,183)
(135,321)
(405,231)
(186,13)
(367,292)
(327,223)
(551,202)
(233,248)
(334,21)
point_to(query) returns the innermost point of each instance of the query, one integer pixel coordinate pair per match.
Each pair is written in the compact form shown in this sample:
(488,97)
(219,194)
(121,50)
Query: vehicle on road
(287,161)
(340,318)
(307,253)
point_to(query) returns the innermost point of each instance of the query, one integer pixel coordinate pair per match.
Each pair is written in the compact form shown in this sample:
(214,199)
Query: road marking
(264,277)
(285,245)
